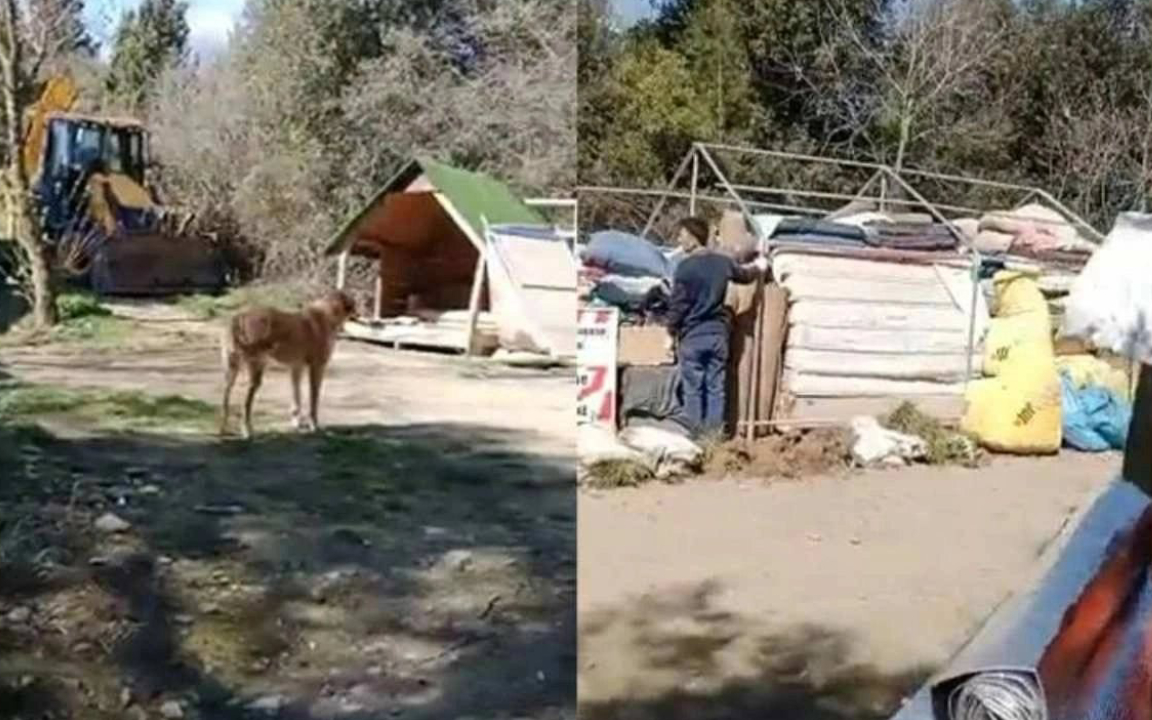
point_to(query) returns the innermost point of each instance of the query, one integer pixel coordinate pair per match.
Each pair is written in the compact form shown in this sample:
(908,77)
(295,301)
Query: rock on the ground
(172,710)
(19,615)
(267,704)
(110,523)
(458,560)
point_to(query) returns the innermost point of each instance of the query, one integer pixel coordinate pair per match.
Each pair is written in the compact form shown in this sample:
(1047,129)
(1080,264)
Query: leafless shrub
(279,140)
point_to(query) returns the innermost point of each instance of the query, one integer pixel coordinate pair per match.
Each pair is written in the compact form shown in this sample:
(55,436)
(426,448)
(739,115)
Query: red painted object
(1099,665)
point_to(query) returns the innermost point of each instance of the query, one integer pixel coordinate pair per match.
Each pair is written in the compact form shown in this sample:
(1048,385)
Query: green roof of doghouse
(474,196)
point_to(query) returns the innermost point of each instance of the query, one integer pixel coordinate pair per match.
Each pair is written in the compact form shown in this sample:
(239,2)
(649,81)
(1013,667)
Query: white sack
(596,444)
(671,454)
(876,444)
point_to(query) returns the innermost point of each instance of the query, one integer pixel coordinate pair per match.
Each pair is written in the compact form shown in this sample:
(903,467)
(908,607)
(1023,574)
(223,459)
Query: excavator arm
(59,95)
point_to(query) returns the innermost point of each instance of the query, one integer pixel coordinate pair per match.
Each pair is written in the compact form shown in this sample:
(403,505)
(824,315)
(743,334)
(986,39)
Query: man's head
(692,233)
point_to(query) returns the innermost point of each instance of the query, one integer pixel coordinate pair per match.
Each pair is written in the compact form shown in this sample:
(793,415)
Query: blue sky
(632,10)
(209,20)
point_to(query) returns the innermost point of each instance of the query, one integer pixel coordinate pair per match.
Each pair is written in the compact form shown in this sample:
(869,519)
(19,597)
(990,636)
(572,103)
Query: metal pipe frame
(885,174)
(700,197)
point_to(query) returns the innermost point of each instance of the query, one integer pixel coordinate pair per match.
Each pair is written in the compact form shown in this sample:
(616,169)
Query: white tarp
(532,286)
(1111,300)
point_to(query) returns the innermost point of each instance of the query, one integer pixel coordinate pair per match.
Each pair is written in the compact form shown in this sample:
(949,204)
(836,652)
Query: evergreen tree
(148,39)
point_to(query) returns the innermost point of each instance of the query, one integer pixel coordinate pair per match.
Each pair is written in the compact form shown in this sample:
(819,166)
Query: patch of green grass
(105,410)
(349,456)
(77,305)
(208,307)
(95,330)
(203,307)
(609,474)
(946,446)
(82,319)
(18,400)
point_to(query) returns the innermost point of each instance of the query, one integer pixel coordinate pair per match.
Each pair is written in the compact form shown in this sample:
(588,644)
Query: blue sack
(626,254)
(1094,419)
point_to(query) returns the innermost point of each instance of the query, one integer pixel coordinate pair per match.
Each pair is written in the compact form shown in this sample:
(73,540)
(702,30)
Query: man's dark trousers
(703,358)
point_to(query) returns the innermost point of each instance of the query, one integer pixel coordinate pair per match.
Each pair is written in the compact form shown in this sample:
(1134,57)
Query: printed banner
(596,338)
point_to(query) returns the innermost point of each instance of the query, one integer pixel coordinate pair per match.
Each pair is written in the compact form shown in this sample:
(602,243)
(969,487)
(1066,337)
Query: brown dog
(299,340)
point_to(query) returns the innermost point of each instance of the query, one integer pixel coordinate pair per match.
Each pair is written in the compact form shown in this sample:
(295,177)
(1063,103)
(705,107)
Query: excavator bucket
(146,249)
(154,263)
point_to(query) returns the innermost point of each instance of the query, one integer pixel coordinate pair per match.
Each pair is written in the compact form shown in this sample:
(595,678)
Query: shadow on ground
(705,663)
(425,571)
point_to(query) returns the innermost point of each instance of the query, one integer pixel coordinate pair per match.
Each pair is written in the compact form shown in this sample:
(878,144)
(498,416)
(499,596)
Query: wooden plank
(752,398)
(342,270)
(775,319)
(423,335)
(378,297)
(474,302)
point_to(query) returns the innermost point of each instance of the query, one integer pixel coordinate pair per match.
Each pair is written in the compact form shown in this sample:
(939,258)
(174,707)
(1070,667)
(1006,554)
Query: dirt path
(821,599)
(415,560)
(366,384)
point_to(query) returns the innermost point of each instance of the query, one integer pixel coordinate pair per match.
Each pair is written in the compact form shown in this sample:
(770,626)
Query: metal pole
(792,156)
(848,198)
(701,197)
(748,217)
(972,319)
(695,182)
(664,197)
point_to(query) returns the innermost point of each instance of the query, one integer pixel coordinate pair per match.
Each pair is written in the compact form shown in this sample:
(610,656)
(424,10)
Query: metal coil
(998,696)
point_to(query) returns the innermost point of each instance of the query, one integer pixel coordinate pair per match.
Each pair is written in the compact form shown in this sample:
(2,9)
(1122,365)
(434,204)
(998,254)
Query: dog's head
(340,306)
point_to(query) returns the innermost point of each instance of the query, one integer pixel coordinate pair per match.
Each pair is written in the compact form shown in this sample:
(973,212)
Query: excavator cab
(78,149)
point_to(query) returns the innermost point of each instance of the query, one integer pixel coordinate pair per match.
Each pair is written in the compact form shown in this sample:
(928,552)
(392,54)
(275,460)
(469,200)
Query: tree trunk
(21,206)
(44,313)
(905,134)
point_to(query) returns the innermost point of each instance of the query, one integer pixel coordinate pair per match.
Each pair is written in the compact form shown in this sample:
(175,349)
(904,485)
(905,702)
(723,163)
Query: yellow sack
(1018,412)
(1022,327)
(1090,370)
(1016,293)
(1018,339)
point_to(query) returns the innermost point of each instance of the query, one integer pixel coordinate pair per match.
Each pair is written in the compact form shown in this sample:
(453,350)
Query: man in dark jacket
(699,325)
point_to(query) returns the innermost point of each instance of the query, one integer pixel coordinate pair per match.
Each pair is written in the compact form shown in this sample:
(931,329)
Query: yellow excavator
(90,176)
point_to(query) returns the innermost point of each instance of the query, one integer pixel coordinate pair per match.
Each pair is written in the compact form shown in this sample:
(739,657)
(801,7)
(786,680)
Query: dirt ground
(415,559)
(822,599)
